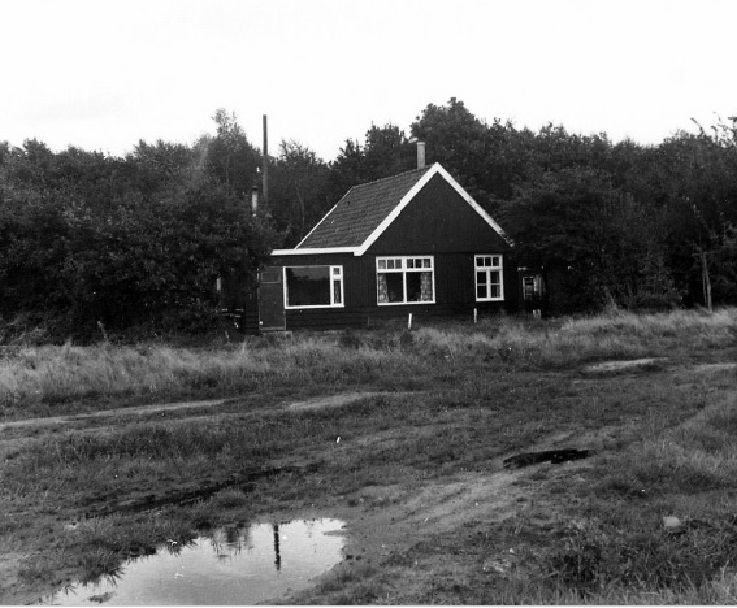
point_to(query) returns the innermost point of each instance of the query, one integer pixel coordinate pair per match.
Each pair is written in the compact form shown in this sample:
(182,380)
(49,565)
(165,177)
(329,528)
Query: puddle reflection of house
(277,558)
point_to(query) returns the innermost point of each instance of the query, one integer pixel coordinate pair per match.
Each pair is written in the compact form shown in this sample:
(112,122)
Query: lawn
(418,472)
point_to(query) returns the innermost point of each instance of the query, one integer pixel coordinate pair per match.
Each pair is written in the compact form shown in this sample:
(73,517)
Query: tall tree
(230,157)
(595,242)
(300,192)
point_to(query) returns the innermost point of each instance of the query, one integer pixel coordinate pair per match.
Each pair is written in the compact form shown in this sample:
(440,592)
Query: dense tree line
(90,241)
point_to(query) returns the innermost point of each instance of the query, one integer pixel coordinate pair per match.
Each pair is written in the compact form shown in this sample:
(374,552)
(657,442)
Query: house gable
(362,216)
(438,219)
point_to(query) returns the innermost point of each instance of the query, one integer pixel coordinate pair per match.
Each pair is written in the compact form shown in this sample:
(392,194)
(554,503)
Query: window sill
(490,299)
(405,303)
(316,306)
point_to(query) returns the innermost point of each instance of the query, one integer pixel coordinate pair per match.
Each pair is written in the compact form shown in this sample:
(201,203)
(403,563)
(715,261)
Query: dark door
(271,299)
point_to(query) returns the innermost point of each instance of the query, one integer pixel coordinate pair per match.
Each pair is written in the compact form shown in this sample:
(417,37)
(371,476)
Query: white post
(475,315)
(409,322)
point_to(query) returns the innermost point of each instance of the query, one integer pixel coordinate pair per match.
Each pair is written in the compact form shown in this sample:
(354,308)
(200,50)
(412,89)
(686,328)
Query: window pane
(390,264)
(414,287)
(410,263)
(494,277)
(493,291)
(382,264)
(398,263)
(481,278)
(419,287)
(487,261)
(481,292)
(336,270)
(308,286)
(394,287)
(496,261)
(427,263)
(337,285)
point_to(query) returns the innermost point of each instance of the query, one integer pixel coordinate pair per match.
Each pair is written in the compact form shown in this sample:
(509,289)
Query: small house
(416,243)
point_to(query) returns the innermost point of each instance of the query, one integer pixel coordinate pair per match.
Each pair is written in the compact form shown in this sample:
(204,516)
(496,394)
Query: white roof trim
(469,199)
(324,217)
(397,210)
(435,169)
(314,250)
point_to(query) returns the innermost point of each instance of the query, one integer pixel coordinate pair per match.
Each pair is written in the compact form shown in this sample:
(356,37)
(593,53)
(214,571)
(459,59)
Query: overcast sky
(102,74)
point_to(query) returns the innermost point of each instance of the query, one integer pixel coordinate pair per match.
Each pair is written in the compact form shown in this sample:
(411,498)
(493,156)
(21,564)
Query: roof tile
(361,210)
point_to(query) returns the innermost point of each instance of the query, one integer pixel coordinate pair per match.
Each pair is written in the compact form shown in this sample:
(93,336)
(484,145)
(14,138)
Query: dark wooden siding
(454,291)
(438,220)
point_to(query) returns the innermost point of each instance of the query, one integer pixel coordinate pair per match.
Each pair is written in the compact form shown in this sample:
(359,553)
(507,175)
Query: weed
(406,339)
(349,339)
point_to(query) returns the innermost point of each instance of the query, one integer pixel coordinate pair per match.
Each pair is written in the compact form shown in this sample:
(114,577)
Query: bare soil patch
(328,401)
(715,367)
(615,366)
(314,403)
(132,411)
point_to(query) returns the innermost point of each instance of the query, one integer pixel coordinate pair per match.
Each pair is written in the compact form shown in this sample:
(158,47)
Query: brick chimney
(420,154)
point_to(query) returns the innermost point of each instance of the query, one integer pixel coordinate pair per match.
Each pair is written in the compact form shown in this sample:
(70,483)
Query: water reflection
(231,566)
(277,558)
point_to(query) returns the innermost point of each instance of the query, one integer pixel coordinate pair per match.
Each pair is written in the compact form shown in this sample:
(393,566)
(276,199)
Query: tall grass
(616,335)
(53,375)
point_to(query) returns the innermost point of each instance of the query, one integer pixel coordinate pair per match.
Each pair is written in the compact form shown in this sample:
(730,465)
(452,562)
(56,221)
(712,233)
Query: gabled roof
(360,211)
(366,210)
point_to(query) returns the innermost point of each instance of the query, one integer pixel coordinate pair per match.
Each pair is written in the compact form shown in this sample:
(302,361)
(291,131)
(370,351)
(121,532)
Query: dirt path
(132,411)
(385,523)
(315,403)
(615,366)
(323,402)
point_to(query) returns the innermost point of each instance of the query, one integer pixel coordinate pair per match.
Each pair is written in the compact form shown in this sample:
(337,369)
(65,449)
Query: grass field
(419,472)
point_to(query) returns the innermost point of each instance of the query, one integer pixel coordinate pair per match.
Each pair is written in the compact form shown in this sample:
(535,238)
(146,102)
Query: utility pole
(266,164)
(705,281)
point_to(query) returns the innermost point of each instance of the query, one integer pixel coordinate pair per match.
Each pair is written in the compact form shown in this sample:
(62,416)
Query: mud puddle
(230,566)
(552,456)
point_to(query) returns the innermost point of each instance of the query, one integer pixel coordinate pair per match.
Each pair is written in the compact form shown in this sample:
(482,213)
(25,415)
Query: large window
(405,280)
(313,286)
(489,282)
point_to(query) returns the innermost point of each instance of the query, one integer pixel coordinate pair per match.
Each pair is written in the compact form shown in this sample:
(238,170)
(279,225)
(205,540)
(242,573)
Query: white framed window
(405,280)
(313,286)
(489,278)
